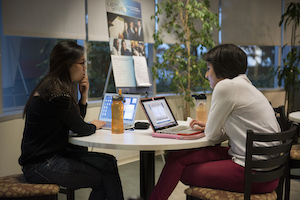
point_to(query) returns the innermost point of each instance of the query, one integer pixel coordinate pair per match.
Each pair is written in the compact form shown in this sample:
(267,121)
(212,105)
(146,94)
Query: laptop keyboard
(108,124)
(126,126)
(179,128)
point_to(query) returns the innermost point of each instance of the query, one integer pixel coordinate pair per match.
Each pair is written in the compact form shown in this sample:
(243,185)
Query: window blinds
(252,22)
(244,22)
(44,18)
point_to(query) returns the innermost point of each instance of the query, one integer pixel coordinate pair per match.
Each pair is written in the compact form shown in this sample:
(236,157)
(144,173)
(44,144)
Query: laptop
(162,119)
(130,108)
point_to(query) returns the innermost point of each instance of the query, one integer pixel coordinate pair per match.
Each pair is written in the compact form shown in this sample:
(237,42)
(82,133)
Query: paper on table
(141,71)
(189,119)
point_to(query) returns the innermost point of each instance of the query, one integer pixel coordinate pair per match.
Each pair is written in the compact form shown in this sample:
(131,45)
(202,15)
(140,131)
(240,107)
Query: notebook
(161,117)
(130,108)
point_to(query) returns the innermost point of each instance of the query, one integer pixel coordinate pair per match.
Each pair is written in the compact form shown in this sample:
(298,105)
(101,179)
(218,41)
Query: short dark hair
(228,60)
(115,43)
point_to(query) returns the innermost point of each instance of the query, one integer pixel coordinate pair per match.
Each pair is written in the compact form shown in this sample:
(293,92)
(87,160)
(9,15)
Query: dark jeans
(80,169)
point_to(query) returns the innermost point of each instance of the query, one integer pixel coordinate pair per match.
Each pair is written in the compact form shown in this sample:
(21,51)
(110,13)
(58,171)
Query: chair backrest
(281,118)
(272,167)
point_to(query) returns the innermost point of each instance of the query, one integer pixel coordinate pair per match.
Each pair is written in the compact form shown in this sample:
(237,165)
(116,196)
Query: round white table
(295,116)
(143,141)
(136,140)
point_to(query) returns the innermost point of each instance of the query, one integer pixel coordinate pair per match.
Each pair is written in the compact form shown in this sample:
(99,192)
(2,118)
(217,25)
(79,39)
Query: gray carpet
(130,180)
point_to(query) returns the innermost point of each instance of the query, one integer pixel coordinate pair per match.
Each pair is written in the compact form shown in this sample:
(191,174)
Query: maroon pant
(210,167)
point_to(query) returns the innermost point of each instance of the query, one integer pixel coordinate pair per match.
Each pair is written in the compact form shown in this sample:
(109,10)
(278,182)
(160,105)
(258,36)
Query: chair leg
(70,194)
(287,185)
(279,189)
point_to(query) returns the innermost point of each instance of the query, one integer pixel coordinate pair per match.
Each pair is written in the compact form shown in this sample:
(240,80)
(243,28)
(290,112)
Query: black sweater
(47,127)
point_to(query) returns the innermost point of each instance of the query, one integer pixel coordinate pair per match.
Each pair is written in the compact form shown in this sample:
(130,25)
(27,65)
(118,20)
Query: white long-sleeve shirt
(236,107)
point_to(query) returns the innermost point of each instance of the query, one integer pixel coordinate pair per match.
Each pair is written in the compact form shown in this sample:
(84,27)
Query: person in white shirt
(236,106)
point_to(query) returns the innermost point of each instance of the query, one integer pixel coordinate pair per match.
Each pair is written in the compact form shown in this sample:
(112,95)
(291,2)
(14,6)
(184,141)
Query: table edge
(152,147)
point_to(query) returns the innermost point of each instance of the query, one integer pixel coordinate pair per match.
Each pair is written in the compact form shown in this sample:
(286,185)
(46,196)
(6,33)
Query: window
(98,56)
(24,60)
(25,29)
(24,63)
(165,86)
(25,47)
(252,28)
(262,62)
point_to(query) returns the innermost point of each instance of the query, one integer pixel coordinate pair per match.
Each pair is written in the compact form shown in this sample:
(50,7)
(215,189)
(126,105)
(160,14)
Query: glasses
(82,63)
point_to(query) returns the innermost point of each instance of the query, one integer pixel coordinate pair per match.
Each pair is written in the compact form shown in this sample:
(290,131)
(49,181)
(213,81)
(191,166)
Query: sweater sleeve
(67,111)
(82,109)
(222,104)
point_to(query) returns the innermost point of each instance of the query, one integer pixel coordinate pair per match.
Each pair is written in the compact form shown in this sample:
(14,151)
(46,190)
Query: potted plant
(289,72)
(191,23)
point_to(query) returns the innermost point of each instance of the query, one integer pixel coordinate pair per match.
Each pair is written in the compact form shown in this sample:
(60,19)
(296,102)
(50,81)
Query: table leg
(147,173)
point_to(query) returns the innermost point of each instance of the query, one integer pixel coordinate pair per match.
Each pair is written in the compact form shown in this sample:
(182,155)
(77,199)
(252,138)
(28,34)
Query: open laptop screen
(130,107)
(159,113)
(105,113)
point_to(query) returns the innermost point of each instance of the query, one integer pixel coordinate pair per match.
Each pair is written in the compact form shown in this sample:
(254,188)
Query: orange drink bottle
(201,108)
(117,108)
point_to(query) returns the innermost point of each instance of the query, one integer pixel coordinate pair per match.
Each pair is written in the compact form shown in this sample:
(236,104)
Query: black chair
(278,165)
(282,118)
(294,163)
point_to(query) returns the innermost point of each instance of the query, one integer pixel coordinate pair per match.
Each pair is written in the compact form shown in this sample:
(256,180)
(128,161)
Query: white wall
(10,146)
(11,133)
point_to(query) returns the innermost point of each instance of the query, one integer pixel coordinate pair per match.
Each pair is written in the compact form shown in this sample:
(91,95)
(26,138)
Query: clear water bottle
(117,108)
(201,107)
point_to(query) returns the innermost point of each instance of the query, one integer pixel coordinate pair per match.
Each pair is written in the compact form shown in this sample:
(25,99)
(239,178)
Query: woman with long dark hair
(124,50)
(51,113)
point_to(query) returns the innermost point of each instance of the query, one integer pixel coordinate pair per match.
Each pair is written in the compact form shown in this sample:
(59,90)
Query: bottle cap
(118,97)
(199,96)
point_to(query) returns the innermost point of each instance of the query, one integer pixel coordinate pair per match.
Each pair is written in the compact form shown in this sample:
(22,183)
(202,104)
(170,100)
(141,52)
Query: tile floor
(130,179)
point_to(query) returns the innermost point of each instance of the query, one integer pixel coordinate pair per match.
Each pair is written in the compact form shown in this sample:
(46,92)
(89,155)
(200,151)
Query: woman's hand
(83,89)
(197,125)
(98,123)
